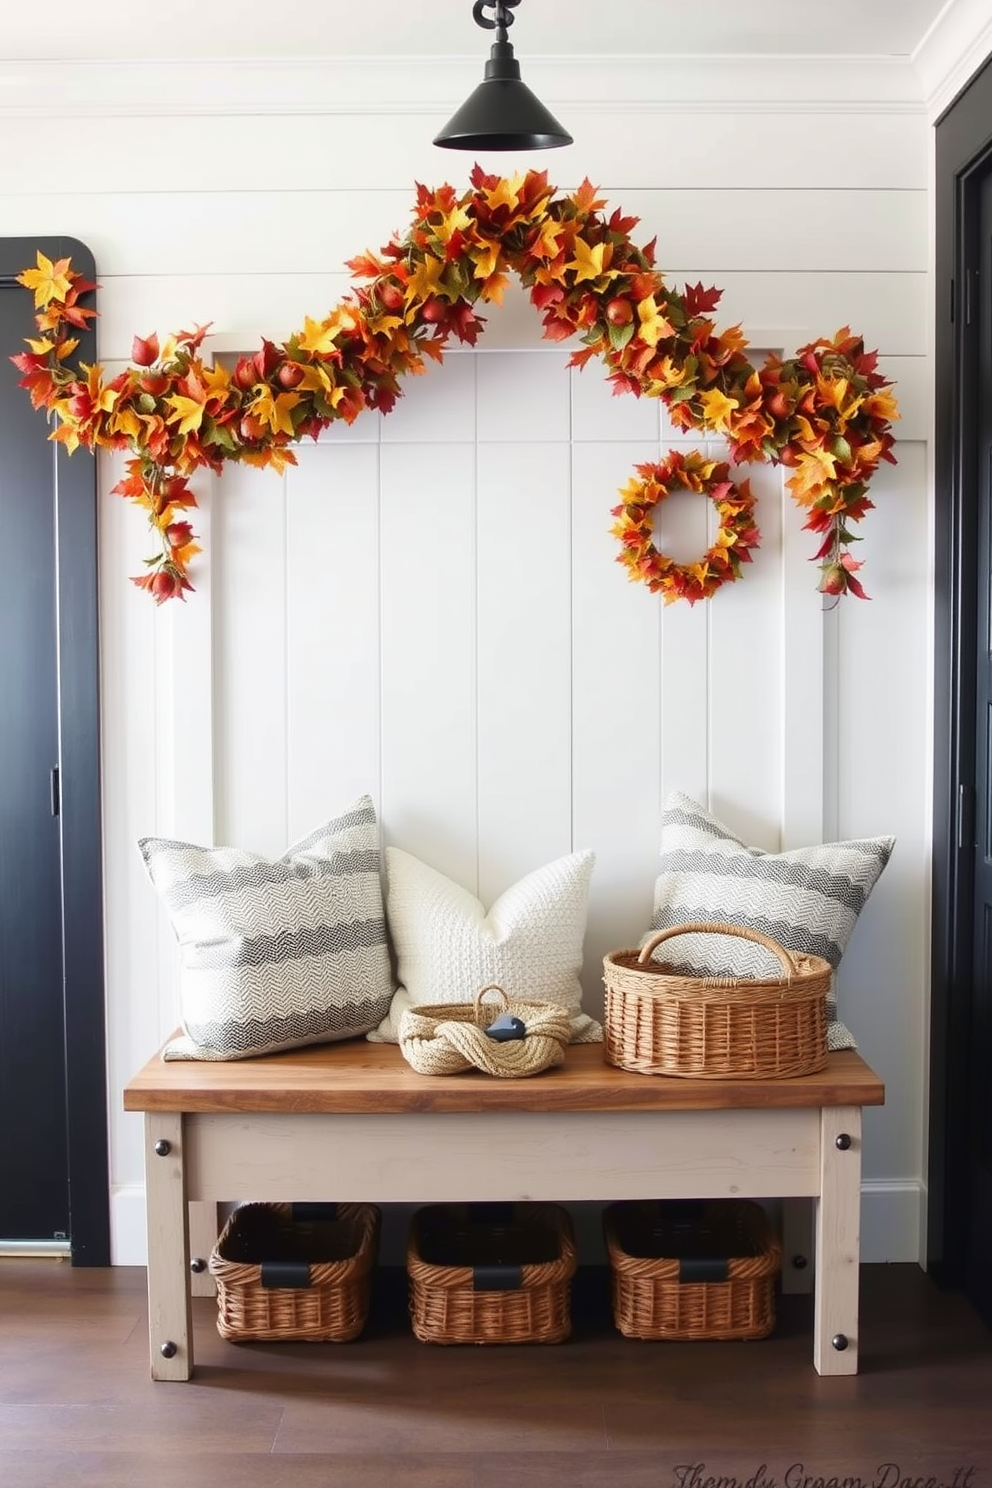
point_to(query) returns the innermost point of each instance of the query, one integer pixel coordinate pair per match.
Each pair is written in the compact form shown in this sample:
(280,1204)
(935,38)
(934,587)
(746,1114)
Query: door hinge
(56,791)
(966,816)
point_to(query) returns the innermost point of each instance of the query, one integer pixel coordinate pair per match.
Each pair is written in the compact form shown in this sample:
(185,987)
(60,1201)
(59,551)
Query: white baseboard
(128,1236)
(890,1221)
(891,1226)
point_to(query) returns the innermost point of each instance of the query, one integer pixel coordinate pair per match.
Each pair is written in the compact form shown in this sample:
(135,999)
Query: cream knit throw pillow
(448,946)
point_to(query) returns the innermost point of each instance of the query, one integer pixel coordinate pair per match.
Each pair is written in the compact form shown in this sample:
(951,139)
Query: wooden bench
(353,1122)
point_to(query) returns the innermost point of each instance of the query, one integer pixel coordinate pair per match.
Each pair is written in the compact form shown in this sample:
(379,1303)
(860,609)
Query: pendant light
(502,113)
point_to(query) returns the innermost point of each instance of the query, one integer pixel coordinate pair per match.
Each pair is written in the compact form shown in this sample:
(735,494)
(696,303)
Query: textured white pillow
(448,948)
(277,954)
(808,899)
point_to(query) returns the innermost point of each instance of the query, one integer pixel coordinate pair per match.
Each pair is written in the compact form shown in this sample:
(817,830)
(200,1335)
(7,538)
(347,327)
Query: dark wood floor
(77,1406)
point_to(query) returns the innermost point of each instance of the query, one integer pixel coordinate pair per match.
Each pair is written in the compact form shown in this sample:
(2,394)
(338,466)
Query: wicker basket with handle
(663,1021)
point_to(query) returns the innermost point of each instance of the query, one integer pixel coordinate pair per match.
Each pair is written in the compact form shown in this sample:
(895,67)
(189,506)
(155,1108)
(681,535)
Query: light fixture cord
(503,16)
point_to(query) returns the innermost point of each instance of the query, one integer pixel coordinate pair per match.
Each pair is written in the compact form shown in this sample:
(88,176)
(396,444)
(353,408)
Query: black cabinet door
(979,1091)
(53,1098)
(34,1160)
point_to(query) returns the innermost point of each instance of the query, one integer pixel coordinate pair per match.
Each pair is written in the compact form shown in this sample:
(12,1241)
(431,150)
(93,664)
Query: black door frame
(963,155)
(74,483)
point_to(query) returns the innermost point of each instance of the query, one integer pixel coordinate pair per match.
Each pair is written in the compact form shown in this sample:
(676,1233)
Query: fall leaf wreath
(824,413)
(737,534)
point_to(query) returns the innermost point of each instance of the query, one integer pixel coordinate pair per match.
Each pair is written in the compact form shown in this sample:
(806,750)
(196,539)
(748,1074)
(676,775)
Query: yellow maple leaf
(317,379)
(653,324)
(718,409)
(384,325)
(276,411)
(457,220)
(102,398)
(815,471)
(592,262)
(186,412)
(216,379)
(506,192)
(882,405)
(50,281)
(425,278)
(665,372)
(548,239)
(495,287)
(126,421)
(318,336)
(485,257)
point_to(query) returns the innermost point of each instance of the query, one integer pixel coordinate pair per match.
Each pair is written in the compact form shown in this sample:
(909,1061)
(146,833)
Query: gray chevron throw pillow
(808,899)
(276,954)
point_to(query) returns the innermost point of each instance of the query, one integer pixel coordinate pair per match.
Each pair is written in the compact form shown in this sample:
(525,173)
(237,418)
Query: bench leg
(838,1231)
(170,1331)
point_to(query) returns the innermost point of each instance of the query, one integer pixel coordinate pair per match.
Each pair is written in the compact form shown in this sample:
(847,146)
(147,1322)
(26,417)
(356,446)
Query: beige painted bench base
(353,1123)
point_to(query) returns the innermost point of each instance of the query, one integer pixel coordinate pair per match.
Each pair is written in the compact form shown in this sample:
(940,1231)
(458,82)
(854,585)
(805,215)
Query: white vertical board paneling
(524,660)
(250,597)
(524,640)
(429,684)
(745,693)
(528,395)
(616,705)
(130,767)
(682,528)
(883,743)
(806,715)
(332,630)
(436,406)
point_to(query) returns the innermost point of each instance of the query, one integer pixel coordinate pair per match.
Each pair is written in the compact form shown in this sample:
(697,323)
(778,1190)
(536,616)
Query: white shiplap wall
(428,607)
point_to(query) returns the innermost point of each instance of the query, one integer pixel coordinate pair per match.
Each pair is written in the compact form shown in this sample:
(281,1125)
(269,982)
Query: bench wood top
(359,1078)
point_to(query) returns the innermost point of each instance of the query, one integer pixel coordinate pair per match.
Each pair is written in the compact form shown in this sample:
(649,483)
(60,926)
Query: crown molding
(958,43)
(435,85)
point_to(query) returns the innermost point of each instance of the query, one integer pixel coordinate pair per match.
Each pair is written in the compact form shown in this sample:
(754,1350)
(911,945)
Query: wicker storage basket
(295,1271)
(491,1273)
(686,1269)
(660,1021)
(449,1038)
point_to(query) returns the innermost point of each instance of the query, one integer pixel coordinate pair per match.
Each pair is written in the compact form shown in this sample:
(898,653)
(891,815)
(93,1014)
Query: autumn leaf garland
(824,413)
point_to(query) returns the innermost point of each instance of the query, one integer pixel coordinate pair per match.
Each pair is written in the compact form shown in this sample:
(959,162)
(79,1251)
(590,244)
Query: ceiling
(115,29)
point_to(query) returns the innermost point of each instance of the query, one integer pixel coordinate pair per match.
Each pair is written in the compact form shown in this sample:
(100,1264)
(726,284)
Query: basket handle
(785,957)
(481,1012)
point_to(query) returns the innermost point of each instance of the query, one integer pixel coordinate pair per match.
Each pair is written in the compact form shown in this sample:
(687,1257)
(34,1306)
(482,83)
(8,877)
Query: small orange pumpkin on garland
(824,413)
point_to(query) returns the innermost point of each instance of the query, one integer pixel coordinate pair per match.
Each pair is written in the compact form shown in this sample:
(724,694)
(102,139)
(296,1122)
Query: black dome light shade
(502,113)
